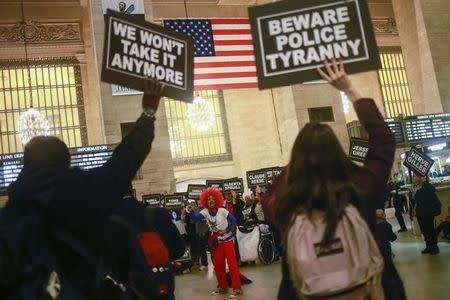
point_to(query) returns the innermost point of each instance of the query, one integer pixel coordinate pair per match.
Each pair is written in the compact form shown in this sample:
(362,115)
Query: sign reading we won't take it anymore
(293,38)
(137,49)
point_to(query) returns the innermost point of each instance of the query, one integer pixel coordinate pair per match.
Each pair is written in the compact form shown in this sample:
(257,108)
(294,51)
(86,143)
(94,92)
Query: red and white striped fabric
(233,67)
(226,63)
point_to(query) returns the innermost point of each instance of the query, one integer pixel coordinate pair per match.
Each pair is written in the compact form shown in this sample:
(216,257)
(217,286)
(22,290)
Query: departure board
(91,156)
(427,127)
(83,157)
(10,167)
(396,128)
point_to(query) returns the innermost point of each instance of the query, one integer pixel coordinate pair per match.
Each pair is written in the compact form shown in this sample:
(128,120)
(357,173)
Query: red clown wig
(215,193)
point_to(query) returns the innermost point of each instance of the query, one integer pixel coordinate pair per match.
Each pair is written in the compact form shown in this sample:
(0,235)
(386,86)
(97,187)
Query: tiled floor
(425,277)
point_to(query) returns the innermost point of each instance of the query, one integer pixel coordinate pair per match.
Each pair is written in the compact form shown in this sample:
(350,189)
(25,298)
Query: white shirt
(218,222)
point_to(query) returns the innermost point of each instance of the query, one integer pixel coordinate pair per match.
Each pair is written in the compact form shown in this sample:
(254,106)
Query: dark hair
(318,177)
(43,152)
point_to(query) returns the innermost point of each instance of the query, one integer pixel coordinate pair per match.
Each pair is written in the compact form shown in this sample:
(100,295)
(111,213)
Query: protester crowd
(73,234)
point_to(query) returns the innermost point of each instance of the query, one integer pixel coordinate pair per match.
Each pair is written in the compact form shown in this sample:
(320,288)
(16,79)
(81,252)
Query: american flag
(224,56)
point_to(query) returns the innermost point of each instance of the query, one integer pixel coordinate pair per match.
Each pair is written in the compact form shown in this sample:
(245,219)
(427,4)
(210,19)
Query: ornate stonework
(385,26)
(36,32)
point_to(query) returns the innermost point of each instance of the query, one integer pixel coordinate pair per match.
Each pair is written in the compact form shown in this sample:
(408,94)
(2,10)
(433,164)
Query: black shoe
(426,251)
(402,230)
(434,251)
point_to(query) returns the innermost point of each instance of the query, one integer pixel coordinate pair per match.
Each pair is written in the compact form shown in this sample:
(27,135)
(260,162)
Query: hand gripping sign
(137,49)
(293,38)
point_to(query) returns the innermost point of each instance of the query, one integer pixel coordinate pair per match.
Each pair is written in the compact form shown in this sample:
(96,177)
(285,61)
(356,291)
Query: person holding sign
(322,197)
(76,204)
(427,207)
(222,225)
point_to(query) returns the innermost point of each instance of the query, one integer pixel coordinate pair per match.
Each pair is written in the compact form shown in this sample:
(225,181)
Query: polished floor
(425,277)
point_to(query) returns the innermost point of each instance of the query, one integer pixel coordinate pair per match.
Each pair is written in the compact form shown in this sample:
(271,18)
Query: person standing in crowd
(200,241)
(384,233)
(321,179)
(399,205)
(427,207)
(249,219)
(444,226)
(77,203)
(222,224)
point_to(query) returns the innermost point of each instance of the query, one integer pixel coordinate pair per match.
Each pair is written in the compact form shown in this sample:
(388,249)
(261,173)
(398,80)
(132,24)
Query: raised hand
(153,91)
(335,75)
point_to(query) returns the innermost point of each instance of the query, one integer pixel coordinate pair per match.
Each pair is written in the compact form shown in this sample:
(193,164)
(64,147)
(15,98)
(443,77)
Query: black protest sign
(358,149)
(194,191)
(137,49)
(256,178)
(293,38)
(173,201)
(418,162)
(233,184)
(152,200)
(217,184)
(271,173)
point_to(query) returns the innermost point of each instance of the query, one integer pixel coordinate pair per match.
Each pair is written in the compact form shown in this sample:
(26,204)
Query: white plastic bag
(248,244)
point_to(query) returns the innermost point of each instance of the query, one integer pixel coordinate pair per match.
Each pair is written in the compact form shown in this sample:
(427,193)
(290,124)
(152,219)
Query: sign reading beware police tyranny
(293,38)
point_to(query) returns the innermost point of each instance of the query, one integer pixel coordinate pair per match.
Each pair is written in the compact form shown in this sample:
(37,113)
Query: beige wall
(157,170)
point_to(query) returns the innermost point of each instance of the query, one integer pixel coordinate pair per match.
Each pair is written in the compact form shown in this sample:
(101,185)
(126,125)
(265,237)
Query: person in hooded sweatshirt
(81,202)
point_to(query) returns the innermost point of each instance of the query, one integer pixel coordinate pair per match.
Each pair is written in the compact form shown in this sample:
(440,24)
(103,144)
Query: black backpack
(33,260)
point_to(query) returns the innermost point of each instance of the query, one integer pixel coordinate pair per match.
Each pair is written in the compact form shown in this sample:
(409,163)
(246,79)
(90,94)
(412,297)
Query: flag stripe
(245,85)
(235,53)
(225,58)
(232,42)
(230,21)
(234,48)
(224,75)
(231,31)
(226,37)
(224,70)
(231,26)
(218,64)
(224,80)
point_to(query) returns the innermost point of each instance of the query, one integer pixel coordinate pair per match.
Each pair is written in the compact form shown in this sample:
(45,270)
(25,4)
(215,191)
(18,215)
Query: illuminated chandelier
(31,123)
(201,115)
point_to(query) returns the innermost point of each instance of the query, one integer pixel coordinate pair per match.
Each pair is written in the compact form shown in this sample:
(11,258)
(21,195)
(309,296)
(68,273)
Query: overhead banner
(233,184)
(194,191)
(358,149)
(217,184)
(293,38)
(152,200)
(134,50)
(256,178)
(418,162)
(173,201)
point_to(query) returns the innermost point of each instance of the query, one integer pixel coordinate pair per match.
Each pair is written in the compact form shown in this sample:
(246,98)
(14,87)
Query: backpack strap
(149,216)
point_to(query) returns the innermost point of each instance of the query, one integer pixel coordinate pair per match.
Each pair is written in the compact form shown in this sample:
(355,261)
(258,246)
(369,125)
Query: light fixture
(201,115)
(31,122)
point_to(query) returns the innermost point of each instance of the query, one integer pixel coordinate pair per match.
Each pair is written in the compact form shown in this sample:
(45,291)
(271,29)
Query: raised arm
(127,158)
(381,140)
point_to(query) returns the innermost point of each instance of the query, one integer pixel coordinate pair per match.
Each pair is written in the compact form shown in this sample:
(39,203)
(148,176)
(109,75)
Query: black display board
(233,184)
(427,127)
(257,178)
(396,127)
(293,38)
(217,184)
(358,149)
(152,200)
(173,201)
(418,161)
(91,156)
(82,157)
(135,49)
(194,191)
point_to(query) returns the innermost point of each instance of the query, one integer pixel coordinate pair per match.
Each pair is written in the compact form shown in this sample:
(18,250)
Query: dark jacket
(426,201)
(372,182)
(384,236)
(82,202)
